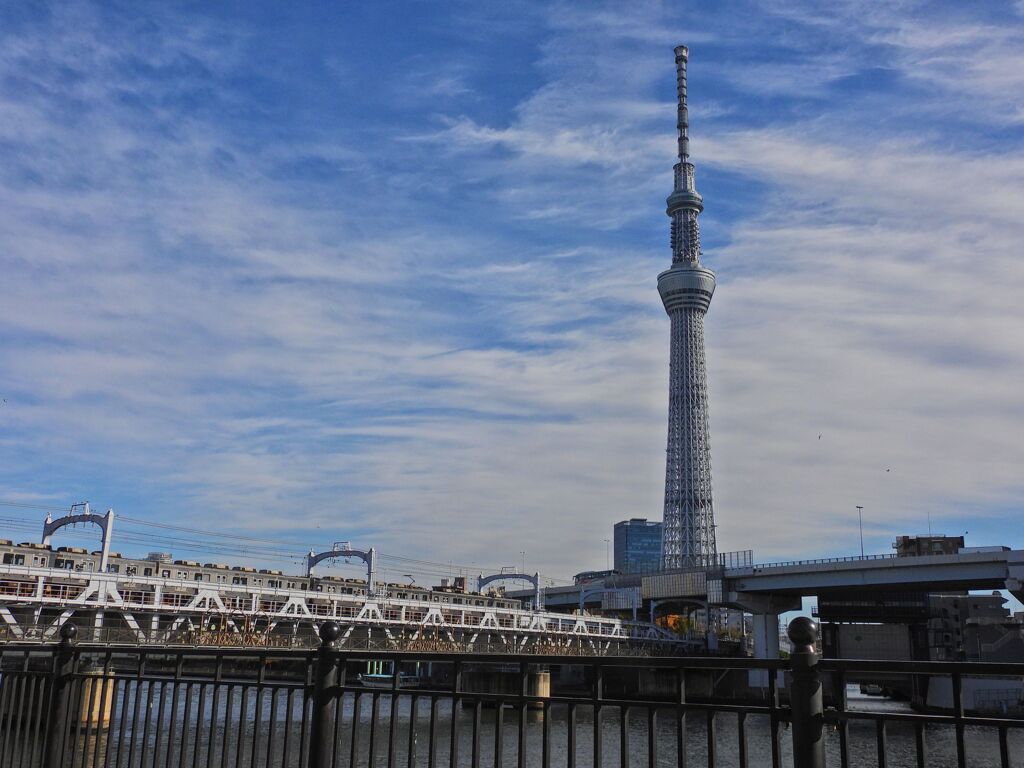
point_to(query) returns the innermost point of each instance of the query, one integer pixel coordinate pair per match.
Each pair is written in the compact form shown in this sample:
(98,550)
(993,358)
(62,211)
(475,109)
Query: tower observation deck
(686,288)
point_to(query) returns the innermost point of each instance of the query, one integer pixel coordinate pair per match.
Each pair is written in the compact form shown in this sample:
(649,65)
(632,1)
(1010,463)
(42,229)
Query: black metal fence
(87,706)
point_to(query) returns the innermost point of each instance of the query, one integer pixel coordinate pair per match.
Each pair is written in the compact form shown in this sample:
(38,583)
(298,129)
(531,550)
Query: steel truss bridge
(36,601)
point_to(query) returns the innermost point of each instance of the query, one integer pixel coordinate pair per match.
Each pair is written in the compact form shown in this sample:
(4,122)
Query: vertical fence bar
(920,746)
(304,731)
(157,751)
(805,696)
(357,716)
(839,696)
(57,723)
(741,736)
(274,698)
(200,719)
(680,718)
(499,730)
(453,752)
(127,697)
(570,727)
(42,684)
(25,724)
(339,712)
(320,747)
(104,716)
(374,714)
(598,695)
(1004,748)
(5,706)
(652,737)
(90,683)
(396,681)
(218,667)
(712,744)
(13,689)
(432,738)
(880,741)
(226,737)
(546,730)
(958,711)
(623,736)
(186,729)
(773,715)
(414,701)
(150,685)
(257,720)
(524,683)
(243,701)
(477,712)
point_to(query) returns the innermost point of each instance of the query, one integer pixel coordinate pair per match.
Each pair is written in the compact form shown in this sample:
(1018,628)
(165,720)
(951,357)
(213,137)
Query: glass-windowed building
(637,545)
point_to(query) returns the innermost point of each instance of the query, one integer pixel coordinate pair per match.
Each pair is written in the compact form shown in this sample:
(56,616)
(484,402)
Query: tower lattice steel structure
(688,538)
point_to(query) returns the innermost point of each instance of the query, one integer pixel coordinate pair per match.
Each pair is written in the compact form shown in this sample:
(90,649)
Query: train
(80,562)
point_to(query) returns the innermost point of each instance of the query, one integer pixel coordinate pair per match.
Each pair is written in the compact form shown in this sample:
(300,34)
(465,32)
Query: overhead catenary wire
(389,561)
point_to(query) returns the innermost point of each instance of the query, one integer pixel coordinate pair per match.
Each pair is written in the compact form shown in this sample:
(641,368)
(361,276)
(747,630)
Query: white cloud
(196,321)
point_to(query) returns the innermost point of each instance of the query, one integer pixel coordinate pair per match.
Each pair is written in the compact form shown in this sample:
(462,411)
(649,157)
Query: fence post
(805,699)
(60,692)
(321,735)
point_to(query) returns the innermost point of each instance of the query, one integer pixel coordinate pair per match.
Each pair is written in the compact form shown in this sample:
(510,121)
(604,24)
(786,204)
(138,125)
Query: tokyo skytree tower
(688,534)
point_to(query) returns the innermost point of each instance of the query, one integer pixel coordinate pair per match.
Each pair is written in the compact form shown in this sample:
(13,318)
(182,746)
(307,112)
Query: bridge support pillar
(765,609)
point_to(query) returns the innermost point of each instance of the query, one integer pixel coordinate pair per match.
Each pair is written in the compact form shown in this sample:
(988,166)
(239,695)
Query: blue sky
(386,272)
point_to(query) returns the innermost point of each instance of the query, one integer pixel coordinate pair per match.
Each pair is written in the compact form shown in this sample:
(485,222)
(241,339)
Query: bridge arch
(105,522)
(538,598)
(338,552)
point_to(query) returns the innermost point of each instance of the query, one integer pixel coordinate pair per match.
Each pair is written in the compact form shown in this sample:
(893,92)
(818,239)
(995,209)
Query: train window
(112,568)
(8,558)
(199,577)
(165,574)
(131,570)
(147,571)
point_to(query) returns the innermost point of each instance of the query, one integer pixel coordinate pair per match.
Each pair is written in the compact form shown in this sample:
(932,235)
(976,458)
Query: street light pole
(607,563)
(860,521)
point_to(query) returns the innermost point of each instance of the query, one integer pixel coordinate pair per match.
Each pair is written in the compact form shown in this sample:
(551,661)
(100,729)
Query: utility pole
(860,521)
(607,562)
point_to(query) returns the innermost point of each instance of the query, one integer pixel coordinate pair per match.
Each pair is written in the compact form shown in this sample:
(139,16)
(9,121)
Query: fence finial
(68,633)
(803,634)
(329,632)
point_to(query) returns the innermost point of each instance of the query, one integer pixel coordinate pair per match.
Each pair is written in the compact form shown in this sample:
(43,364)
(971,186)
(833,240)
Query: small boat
(386,681)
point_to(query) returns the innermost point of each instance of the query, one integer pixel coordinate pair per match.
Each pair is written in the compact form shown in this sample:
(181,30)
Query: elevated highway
(768,589)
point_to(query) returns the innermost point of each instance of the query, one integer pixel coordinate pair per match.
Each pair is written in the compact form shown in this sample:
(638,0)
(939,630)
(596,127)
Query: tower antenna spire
(683,116)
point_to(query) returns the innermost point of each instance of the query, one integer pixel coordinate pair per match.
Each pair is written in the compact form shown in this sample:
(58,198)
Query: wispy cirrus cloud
(265,290)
